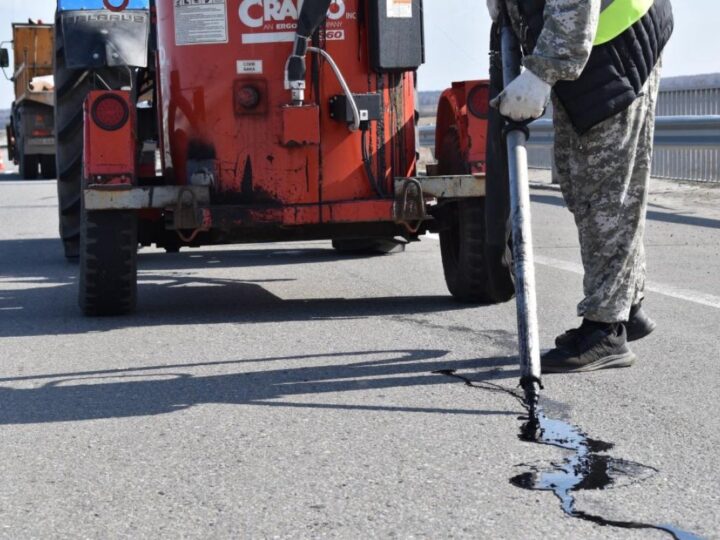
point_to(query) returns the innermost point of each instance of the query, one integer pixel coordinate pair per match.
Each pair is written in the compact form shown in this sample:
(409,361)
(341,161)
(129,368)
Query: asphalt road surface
(283,391)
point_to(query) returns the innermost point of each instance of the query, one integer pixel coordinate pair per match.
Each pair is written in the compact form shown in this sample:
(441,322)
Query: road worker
(599,61)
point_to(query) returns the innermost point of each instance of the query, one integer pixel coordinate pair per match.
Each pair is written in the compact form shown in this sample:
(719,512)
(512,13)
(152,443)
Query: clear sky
(456,35)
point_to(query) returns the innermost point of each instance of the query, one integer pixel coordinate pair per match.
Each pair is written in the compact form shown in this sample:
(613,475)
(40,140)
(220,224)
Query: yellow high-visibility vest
(619,15)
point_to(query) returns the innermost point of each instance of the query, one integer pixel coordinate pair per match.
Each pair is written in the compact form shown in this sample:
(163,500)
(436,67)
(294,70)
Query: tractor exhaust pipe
(516,136)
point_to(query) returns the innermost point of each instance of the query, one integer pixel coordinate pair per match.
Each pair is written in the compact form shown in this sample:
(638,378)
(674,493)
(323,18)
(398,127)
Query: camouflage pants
(604,176)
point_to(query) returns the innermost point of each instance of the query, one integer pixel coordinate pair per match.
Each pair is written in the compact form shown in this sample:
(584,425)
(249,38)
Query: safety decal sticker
(199,22)
(399,9)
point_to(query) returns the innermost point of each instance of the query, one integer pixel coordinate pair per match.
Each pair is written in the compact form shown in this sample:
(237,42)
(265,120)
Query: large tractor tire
(368,246)
(71,88)
(108,263)
(498,252)
(462,237)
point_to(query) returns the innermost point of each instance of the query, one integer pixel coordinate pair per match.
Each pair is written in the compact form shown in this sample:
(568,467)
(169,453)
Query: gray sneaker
(590,350)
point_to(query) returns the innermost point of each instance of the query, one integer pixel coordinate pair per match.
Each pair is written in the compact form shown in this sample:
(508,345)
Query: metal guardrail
(692,131)
(686,147)
(689,95)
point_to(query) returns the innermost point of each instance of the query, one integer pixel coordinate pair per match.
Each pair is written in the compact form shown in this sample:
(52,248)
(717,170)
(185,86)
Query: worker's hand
(494,9)
(524,99)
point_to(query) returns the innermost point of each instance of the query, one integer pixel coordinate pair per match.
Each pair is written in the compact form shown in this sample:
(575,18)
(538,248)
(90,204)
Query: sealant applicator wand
(516,136)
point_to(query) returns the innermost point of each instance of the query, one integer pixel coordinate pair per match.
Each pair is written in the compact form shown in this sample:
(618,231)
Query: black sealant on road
(589,467)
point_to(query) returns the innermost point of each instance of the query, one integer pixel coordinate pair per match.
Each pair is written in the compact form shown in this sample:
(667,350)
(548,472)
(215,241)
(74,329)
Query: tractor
(184,123)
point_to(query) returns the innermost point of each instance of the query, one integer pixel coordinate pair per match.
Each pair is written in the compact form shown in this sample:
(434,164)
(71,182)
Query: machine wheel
(368,246)
(462,246)
(171,243)
(28,166)
(108,263)
(498,253)
(47,167)
(71,88)
(462,238)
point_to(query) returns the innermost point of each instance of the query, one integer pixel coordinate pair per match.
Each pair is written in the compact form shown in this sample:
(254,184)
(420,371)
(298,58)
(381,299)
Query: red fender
(470,119)
(451,112)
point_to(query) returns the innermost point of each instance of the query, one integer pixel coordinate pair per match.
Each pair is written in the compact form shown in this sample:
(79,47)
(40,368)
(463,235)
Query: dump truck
(184,123)
(30,133)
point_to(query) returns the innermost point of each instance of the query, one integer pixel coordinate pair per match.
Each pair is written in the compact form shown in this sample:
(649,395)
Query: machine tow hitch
(516,136)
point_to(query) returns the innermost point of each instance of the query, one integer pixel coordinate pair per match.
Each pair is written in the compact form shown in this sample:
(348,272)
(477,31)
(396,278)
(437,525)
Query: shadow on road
(161,389)
(39,296)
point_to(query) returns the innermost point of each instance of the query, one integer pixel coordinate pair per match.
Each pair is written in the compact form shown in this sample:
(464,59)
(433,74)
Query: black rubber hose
(312,15)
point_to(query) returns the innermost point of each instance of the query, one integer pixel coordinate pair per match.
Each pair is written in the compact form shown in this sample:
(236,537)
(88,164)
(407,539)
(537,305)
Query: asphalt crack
(587,468)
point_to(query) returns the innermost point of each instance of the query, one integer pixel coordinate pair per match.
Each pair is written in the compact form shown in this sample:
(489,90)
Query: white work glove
(524,99)
(494,9)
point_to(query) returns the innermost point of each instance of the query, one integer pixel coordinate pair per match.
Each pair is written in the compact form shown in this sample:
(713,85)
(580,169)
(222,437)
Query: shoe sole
(609,362)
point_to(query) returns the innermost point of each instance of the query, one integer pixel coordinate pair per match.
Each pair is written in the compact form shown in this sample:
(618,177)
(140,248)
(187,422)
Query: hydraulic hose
(343,84)
(311,16)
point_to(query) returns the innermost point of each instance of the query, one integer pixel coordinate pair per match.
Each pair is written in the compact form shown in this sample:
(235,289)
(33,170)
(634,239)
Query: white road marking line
(688,295)
(660,288)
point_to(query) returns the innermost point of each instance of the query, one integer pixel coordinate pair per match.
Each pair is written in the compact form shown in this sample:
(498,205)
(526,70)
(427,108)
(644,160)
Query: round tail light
(110,112)
(478,101)
(247,97)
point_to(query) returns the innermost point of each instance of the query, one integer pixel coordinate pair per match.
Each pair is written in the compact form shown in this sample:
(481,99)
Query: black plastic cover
(368,105)
(98,38)
(396,35)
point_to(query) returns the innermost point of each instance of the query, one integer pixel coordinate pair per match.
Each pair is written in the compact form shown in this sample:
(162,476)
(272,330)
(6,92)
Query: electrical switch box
(368,106)
(396,35)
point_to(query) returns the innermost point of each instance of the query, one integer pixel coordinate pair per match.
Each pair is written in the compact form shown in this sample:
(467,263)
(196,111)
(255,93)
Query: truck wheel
(108,263)
(71,88)
(28,166)
(462,237)
(47,167)
(170,242)
(368,246)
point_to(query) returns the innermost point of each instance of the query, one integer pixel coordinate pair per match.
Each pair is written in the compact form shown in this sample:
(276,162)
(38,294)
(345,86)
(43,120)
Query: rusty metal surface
(448,187)
(141,197)
(409,207)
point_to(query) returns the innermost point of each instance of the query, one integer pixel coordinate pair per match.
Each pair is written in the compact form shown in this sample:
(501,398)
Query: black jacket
(616,71)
